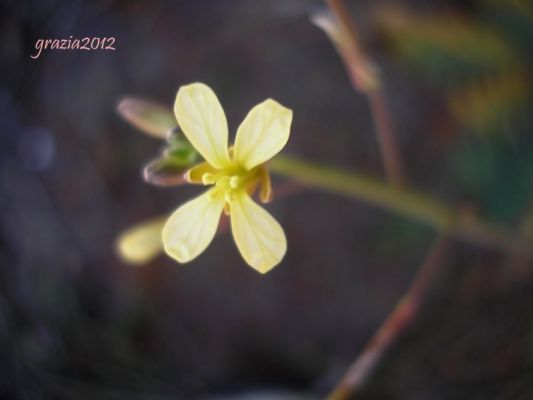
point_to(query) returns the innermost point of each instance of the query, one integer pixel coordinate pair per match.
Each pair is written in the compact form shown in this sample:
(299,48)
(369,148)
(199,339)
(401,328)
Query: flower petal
(141,243)
(263,133)
(190,229)
(259,237)
(202,120)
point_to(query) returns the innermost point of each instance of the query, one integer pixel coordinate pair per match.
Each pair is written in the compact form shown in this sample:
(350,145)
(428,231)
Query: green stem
(407,203)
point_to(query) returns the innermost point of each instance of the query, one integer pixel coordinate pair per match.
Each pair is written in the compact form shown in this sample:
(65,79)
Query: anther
(234,181)
(222,182)
(208,178)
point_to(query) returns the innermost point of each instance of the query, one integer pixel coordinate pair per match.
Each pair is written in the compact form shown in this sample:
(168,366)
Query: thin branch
(410,204)
(394,326)
(358,66)
(385,134)
(365,78)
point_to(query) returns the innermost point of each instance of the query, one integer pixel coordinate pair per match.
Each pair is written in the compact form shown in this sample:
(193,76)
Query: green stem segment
(407,203)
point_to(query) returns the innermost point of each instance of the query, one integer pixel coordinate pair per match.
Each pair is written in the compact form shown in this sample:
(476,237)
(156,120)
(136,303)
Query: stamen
(208,178)
(222,182)
(228,196)
(234,181)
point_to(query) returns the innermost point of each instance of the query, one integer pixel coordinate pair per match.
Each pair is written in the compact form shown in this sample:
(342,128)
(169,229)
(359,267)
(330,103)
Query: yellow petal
(141,243)
(262,134)
(196,173)
(202,120)
(259,237)
(190,229)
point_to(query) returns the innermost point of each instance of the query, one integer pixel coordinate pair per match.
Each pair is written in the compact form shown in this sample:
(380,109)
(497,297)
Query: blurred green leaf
(447,47)
(496,174)
(485,105)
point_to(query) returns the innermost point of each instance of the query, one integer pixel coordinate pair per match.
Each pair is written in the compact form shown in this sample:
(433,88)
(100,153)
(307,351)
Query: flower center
(228,182)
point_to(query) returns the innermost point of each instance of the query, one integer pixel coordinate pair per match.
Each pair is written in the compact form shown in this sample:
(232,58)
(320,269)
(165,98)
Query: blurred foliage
(496,174)
(480,66)
(448,46)
(484,105)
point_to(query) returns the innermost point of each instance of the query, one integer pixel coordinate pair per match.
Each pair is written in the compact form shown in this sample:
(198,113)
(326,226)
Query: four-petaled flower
(233,174)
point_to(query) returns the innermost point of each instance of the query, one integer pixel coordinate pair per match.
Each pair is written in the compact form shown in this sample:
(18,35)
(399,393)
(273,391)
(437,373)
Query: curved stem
(394,326)
(404,202)
(365,79)
(385,134)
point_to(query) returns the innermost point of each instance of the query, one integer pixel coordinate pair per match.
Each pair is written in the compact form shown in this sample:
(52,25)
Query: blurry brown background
(77,323)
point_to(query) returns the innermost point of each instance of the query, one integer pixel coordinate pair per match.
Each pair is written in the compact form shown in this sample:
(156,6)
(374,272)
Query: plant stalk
(401,201)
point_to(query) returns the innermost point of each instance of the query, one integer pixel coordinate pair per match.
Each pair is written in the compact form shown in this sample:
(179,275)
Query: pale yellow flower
(233,174)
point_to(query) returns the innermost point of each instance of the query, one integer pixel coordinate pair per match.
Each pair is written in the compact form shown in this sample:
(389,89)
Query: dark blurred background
(78,323)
